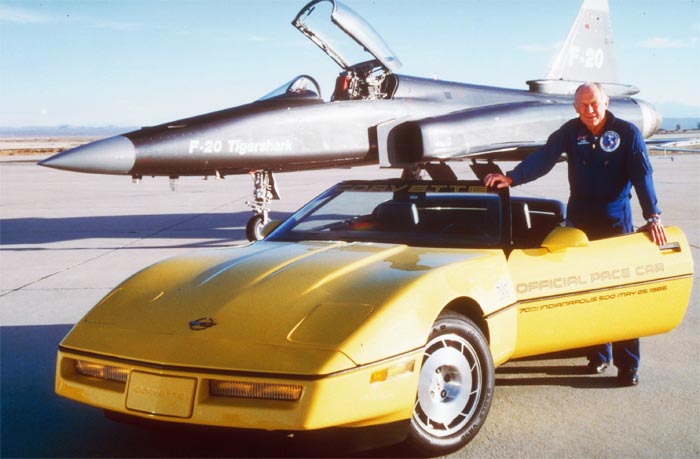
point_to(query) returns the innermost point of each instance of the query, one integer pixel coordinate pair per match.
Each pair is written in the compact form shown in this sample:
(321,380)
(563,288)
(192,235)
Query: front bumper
(374,394)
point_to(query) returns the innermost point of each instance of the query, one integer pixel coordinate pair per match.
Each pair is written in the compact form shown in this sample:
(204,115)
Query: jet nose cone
(114,155)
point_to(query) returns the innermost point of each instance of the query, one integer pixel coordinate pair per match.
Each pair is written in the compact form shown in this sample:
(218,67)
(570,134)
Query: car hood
(304,308)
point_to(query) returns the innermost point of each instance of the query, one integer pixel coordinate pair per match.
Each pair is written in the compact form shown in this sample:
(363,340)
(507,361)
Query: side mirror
(564,237)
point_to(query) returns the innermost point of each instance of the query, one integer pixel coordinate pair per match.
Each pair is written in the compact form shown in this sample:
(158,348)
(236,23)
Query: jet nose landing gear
(264,192)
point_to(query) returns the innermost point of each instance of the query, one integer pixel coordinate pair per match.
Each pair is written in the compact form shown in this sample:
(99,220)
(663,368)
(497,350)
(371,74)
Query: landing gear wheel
(455,387)
(264,191)
(254,227)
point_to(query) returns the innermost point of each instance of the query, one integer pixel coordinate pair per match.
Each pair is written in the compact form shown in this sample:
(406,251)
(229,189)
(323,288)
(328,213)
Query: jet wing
(682,144)
(510,152)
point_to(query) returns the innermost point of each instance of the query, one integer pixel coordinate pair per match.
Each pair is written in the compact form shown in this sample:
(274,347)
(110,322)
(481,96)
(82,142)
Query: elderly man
(606,157)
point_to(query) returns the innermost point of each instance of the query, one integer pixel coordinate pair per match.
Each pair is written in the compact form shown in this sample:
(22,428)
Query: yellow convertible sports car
(378,303)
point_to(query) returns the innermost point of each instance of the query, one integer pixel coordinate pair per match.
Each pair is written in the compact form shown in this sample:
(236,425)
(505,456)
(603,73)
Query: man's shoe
(627,377)
(597,367)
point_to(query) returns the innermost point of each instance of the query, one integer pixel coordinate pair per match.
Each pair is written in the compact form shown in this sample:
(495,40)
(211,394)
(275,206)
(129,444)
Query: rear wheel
(455,387)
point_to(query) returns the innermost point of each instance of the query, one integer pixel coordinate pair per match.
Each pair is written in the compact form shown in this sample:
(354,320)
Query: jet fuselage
(301,131)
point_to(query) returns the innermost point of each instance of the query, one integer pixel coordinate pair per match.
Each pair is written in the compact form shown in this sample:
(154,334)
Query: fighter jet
(374,116)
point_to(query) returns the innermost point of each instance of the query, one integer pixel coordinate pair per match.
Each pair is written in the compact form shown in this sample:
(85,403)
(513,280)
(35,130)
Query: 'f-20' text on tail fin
(587,54)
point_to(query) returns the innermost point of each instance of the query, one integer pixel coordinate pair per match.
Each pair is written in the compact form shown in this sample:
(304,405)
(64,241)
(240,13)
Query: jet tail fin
(587,54)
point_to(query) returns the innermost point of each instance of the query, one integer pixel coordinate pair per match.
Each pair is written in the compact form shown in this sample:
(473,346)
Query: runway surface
(67,239)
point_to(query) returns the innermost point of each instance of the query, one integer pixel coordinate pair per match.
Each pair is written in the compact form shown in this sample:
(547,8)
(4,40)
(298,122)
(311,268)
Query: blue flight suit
(601,171)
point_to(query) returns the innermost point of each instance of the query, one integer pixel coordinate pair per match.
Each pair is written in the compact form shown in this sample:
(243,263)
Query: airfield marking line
(115,249)
(61,271)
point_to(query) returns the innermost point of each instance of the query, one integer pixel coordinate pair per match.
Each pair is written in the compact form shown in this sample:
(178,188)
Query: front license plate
(161,395)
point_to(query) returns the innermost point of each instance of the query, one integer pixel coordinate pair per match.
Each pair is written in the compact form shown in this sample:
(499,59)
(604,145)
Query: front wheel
(254,227)
(455,387)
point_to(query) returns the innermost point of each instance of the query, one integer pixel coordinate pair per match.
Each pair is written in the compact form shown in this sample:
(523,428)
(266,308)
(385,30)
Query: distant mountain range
(681,124)
(669,124)
(678,116)
(64,131)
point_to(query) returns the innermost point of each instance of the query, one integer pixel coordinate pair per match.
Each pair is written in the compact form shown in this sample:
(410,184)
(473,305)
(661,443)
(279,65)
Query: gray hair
(597,87)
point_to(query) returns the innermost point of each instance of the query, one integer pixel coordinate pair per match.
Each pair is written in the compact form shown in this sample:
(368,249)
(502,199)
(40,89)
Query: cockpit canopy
(367,62)
(302,86)
(332,36)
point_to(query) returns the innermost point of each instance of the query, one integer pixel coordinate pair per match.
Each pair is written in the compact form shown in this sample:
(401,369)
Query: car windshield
(413,213)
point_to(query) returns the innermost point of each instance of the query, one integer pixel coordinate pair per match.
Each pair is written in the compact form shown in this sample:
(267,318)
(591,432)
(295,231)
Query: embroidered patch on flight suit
(609,141)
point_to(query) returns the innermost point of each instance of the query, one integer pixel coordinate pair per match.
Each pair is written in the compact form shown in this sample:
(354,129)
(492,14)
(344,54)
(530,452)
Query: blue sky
(143,62)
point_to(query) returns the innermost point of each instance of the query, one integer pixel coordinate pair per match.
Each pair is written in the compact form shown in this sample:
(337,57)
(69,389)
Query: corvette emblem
(610,141)
(202,323)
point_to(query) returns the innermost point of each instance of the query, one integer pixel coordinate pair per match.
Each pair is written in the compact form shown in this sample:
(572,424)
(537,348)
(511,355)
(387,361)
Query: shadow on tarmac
(555,369)
(35,422)
(212,228)
(585,381)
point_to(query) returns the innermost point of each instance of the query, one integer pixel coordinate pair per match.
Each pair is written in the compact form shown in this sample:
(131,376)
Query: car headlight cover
(98,370)
(247,389)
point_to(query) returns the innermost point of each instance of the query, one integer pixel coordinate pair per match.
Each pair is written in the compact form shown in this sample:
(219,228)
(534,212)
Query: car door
(573,292)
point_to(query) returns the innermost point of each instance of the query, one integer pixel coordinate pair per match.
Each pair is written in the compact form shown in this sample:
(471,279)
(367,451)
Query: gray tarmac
(67,239)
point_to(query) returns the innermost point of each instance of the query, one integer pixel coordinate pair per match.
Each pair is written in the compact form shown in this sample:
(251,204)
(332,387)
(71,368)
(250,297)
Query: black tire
(455,387)
(254,227)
